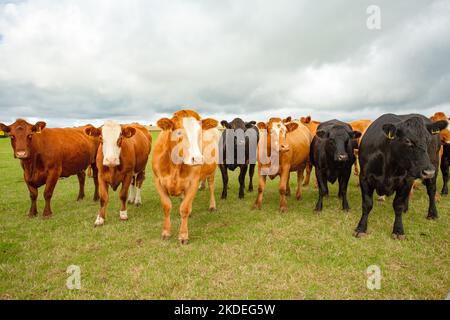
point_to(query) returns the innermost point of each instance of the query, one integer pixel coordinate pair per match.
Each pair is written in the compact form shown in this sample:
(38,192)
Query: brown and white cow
(292,142)
(312,126)
(360,126)
(47,154)
(184,154)
(121,160)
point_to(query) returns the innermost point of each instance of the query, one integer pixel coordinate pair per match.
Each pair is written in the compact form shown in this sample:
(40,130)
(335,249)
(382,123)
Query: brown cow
(361,126)
(49,154)
(180,163)
(291,141)
(121,159)
(312,126)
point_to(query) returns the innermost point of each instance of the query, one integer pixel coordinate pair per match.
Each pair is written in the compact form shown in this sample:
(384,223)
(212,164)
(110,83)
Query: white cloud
(76,61)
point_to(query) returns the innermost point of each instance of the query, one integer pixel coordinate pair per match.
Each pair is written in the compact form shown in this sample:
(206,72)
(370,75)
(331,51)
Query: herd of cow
(394,151)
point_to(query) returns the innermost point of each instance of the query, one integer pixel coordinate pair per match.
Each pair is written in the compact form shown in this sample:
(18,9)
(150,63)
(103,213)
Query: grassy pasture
(233,253)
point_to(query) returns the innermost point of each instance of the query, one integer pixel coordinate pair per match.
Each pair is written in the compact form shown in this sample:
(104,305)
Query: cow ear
(38,127)
(261,126)
(165,124)
(250,124)
(225,124)
(291,126)
(355,134)
(4,128)
(128,132)
(322,134)
(92,131)
(209,124)
(390,130)
(288,119)
(305,119)
(436,127)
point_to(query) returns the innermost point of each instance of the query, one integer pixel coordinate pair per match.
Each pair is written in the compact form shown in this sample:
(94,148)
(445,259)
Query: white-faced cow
(121,160)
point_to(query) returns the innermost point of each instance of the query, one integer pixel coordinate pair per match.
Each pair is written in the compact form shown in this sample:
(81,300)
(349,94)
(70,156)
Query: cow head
(310,124)
(409,140)
(21,134)
(339,141)
(186,131)
(445,134)
(277,129)
(111,137)
(238,124)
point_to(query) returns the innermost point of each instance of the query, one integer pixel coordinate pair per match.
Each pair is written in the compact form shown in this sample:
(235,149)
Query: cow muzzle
(194,161)
(111,162)
(21,154)
(342,157)
(428,174)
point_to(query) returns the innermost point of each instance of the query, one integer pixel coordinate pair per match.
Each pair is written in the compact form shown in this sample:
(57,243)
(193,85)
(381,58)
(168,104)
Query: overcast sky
(70,62)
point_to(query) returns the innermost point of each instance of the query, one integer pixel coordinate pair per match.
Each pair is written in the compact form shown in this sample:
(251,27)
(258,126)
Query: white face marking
(111,151)
(193,131)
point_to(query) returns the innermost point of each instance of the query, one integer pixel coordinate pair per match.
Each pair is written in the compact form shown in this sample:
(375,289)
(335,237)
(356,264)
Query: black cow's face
(410,140)
(339,142)
(238,124)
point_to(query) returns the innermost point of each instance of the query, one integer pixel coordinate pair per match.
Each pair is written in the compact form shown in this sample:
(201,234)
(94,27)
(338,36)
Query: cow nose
(21,154)
(342,157)
(284,147)
(111,162)
(428,174)
(197,160)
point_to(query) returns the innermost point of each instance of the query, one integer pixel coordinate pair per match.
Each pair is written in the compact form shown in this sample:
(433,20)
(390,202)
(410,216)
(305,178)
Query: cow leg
(81,180)
(251,173)
(343,185)
(212,198)
(288,185)
(104,197)
(166,204)
(138,182)
(224,171)
(323,189)
(123,195)
(261,187)
(431,191)
(33,196)
(367,205)
(445,175)
(132,193)
(50,185)
(400,205)
(308,174)
(283,187)
(202,185)
(298,194)
(356,172)
(95,177)
(185,211)
(242,174)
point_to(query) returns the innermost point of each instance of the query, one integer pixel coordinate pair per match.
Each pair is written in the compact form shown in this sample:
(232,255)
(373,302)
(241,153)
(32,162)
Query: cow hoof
(47,216)
(250,189)
(80,198)
(223,197)
(32,215)
(138,204)
(346,210)
(99,221)
(123,215)
(184,242)
(256,207)
(165,237)
(359,234)
(283,209)
(212,209)
(432,217)
(398,236)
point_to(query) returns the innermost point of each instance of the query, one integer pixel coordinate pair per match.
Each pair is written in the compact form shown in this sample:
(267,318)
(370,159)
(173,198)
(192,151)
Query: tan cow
(312,126)
(361,126)
(291,141)
(184,154)
(121,160)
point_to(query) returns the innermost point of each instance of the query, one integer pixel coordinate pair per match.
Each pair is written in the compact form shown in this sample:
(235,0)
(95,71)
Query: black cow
(394,151)
(445,164)
(243,138)
(332,155)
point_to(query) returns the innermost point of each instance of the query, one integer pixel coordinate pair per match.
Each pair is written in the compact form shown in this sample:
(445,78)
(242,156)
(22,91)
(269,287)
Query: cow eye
(408,143)
(12,137)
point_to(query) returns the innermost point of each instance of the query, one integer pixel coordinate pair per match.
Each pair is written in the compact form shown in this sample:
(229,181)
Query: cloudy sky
(75,61)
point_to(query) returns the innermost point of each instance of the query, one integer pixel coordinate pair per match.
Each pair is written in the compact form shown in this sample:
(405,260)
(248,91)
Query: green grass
(234,253)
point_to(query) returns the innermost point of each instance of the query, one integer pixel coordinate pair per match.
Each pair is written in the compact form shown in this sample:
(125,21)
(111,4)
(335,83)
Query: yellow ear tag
(390,136)
(436,131)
